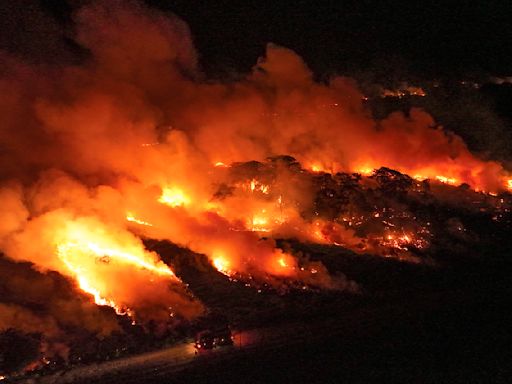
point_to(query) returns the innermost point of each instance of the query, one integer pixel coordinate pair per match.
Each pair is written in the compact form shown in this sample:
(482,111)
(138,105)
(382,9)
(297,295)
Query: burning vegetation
(134,144)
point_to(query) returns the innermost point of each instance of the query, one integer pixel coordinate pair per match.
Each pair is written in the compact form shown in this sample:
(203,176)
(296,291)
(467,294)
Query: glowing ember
(221,164)
(403,241)
(258,224)
(319,235)
(405,91)
(173,197)
(282,263)
(446,180)
(255,185)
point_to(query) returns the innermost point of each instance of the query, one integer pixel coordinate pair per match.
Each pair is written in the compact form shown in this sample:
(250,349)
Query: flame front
(221,264)
(93,257)
(131,218)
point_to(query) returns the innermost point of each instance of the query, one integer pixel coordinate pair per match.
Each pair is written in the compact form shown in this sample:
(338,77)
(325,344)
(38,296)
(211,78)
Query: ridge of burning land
(132,146)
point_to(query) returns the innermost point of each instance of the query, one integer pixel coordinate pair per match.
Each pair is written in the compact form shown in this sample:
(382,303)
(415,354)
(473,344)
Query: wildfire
(404,91)
(317,168)
(254,185)
(89,254)
(317,232)
(60,212)
(366,171)
(86,286)
(442,179)
(404,241)
(447,180)
(222,265)
(131,218)
(107,254)
(259,224)
(174,197)
(282,263)
(430,173)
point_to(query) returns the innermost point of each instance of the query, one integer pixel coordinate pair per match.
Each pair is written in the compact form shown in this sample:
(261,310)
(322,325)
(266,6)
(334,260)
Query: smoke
(48,304)
(84,146)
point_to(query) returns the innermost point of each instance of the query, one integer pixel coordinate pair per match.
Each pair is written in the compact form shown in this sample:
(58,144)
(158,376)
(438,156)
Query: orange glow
(259,224)
(144,128)
(222,265)
(255,185)
(89,253)
(283,265)
(446,180)
(131,218)
(366,171)
(319,167)
(174,197)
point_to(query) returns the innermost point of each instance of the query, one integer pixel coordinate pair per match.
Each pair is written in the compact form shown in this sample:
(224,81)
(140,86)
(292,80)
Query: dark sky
(338,34)
(424,37)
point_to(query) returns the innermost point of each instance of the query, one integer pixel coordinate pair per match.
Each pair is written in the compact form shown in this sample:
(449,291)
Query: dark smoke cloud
(47,303)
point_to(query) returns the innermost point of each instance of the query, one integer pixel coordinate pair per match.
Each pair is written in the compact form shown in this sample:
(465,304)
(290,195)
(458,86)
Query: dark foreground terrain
(461,336)
(412,323)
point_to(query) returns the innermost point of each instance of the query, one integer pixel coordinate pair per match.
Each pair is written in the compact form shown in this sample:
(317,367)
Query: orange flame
(447,180)
(174,197)
(221,264)
(87,252)
(131,218)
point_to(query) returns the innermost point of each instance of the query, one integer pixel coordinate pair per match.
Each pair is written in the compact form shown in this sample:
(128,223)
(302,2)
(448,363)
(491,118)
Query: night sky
(421,37)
